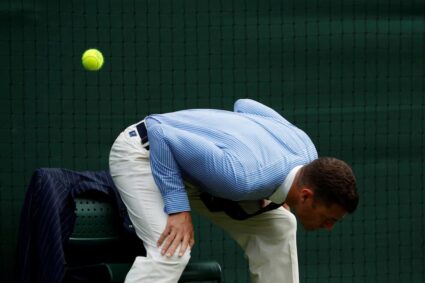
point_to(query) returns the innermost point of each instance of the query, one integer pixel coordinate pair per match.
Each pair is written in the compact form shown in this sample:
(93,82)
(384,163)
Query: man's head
(324,192)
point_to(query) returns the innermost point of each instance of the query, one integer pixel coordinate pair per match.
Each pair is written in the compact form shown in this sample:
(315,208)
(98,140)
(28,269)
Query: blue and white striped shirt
(240,155)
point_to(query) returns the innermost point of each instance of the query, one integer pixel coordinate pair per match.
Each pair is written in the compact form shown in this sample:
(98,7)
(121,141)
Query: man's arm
(165,169)
(166,172)
(170,150)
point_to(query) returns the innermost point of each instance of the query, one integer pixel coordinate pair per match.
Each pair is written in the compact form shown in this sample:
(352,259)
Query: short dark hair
(332,181)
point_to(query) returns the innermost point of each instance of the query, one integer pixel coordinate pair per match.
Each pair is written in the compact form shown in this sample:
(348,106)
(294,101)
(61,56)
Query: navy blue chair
(100,251)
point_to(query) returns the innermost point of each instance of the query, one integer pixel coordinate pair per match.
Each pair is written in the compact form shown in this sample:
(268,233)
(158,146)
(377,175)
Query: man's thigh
(132,175)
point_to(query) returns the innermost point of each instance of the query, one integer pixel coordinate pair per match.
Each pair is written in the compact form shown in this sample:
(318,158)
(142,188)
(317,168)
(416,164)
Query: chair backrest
(98,234)
(96,220)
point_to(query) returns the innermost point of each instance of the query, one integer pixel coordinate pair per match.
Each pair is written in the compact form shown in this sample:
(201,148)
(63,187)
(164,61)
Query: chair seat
(202,271)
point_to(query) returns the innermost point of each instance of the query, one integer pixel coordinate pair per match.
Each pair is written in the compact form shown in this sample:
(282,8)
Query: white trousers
(269,239)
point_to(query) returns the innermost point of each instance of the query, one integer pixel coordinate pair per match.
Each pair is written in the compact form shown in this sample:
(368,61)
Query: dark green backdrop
(350,73)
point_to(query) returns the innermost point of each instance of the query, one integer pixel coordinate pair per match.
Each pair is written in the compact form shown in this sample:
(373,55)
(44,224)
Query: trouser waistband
(143,134)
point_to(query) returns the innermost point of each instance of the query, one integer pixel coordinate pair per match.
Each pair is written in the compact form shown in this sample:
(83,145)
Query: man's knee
(292,222)
(183,260)
(286,225)
(179,262)
(157,268)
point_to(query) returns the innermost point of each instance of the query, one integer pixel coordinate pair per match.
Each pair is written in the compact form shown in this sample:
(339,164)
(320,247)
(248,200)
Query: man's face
(315,215)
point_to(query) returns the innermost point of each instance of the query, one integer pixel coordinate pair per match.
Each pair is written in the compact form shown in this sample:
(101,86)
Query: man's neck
(292,197)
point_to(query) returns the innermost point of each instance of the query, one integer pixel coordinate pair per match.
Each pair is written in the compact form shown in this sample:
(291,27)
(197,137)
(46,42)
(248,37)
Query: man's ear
(306,193)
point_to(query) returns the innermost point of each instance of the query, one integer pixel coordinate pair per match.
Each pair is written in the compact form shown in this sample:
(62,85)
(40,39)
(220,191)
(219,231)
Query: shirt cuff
(176,202)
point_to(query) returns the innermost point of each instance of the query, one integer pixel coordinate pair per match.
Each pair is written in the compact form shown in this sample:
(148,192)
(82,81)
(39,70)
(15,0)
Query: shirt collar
(279,196)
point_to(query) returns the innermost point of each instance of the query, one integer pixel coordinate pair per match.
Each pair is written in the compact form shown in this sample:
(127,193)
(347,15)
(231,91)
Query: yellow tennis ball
(92,60)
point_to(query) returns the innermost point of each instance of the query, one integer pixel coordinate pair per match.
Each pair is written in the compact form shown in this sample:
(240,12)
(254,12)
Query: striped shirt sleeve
(166,172)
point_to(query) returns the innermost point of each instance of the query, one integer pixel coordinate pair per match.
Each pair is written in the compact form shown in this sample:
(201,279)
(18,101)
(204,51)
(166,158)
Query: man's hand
(179,230)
